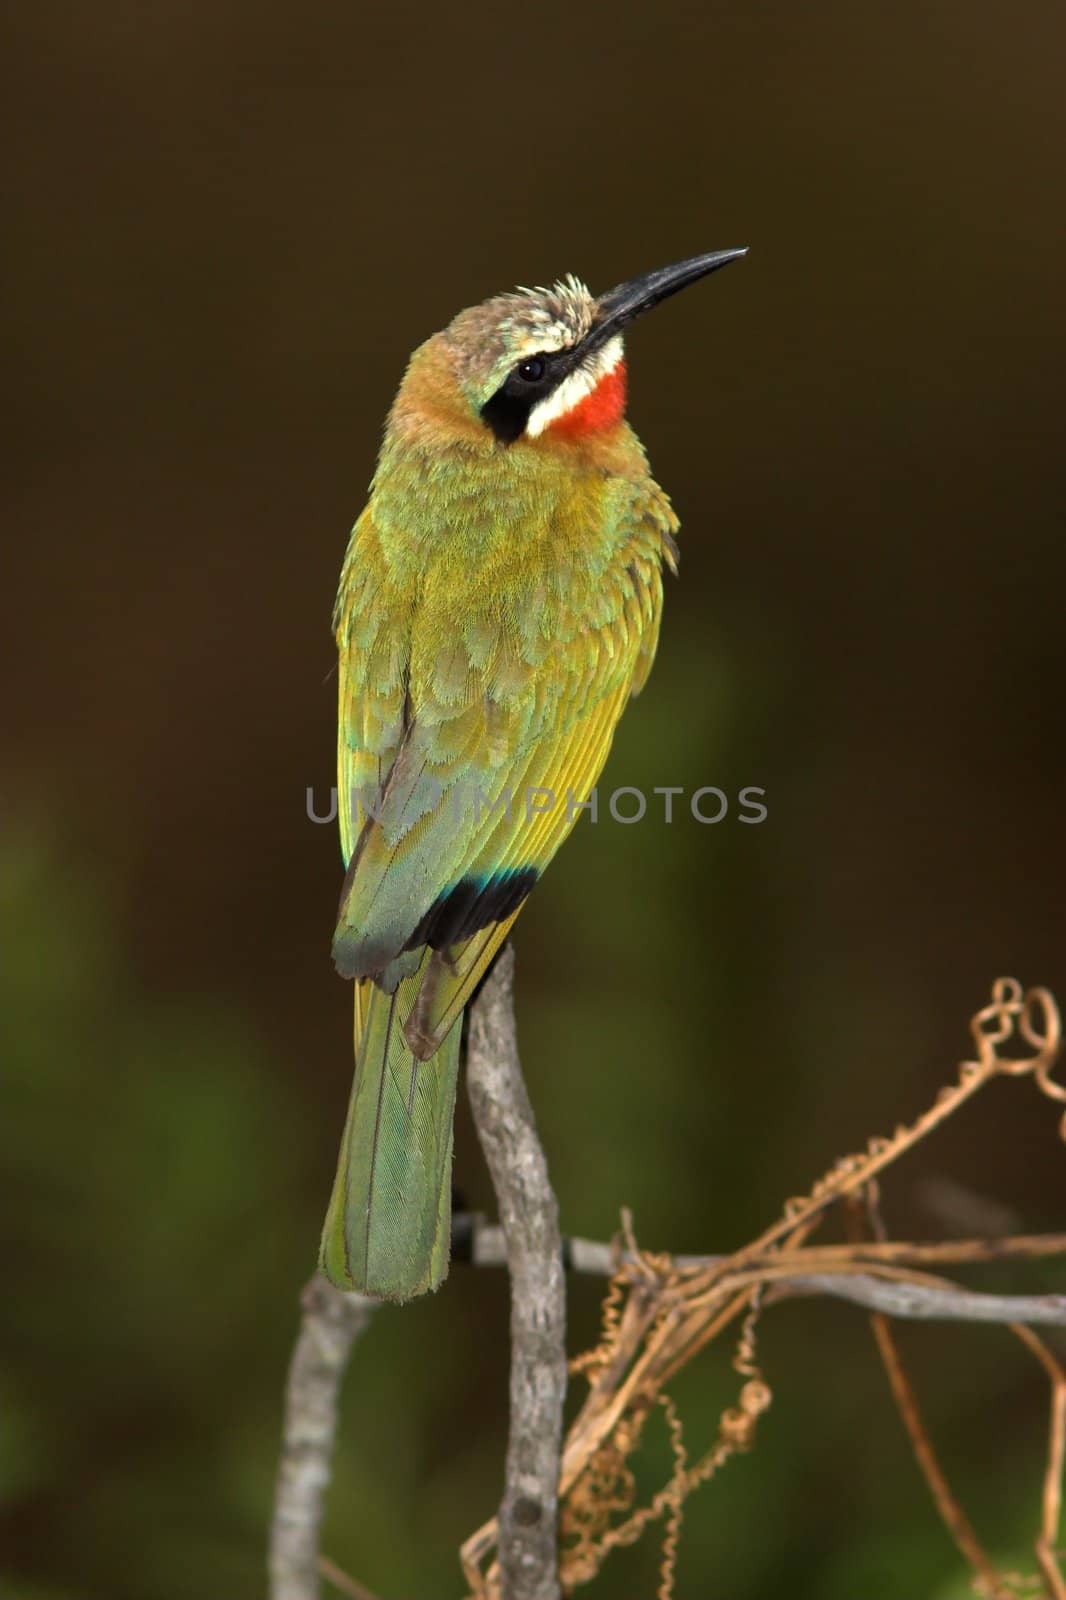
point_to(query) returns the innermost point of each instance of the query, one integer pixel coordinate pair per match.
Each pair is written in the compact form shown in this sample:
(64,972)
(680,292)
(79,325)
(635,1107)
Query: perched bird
(499,604)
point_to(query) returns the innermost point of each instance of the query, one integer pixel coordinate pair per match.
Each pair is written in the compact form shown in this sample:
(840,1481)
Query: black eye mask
(507,412)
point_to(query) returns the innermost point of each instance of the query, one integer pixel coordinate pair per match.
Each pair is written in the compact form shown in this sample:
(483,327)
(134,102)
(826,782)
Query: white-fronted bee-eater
(499,606)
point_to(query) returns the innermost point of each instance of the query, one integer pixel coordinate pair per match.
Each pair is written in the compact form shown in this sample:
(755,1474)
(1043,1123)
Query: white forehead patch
(540,338)
(575,387)
(550,319)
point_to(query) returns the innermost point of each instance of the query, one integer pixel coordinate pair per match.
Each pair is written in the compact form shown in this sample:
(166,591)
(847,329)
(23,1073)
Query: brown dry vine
(658,1314)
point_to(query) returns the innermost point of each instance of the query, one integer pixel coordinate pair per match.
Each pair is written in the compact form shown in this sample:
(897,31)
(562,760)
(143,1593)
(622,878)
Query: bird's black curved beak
(618,307)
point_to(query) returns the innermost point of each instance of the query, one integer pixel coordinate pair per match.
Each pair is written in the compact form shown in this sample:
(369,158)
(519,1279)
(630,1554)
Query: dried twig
(659,1313)
(991,1582)
(485,1245)
(951,1512)
(331,1323)
(1047,1540)
(342,1581)
(527,1546)
(928,1302)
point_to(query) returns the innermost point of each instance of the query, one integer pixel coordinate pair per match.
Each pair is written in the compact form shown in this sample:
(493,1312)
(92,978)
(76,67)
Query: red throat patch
(601,409)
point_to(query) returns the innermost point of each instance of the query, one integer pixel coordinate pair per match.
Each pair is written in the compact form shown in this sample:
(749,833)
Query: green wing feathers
(479,664)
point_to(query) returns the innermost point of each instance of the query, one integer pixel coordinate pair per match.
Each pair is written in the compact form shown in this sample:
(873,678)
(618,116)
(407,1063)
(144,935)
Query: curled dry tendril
(657,1315)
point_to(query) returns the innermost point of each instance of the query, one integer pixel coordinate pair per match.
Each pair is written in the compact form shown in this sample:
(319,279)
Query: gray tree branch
(528,1517)
(487,1247)
(330,1325)
(926,1302)
(530,1246)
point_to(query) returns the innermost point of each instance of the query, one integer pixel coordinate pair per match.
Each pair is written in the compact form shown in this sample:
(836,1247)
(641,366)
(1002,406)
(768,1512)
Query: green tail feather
(388,1227)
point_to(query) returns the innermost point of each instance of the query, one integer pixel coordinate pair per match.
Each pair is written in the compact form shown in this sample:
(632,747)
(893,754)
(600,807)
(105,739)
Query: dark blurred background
(227,227)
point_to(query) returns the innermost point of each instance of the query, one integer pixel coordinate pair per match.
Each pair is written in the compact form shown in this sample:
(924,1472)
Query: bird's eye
(532,370)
